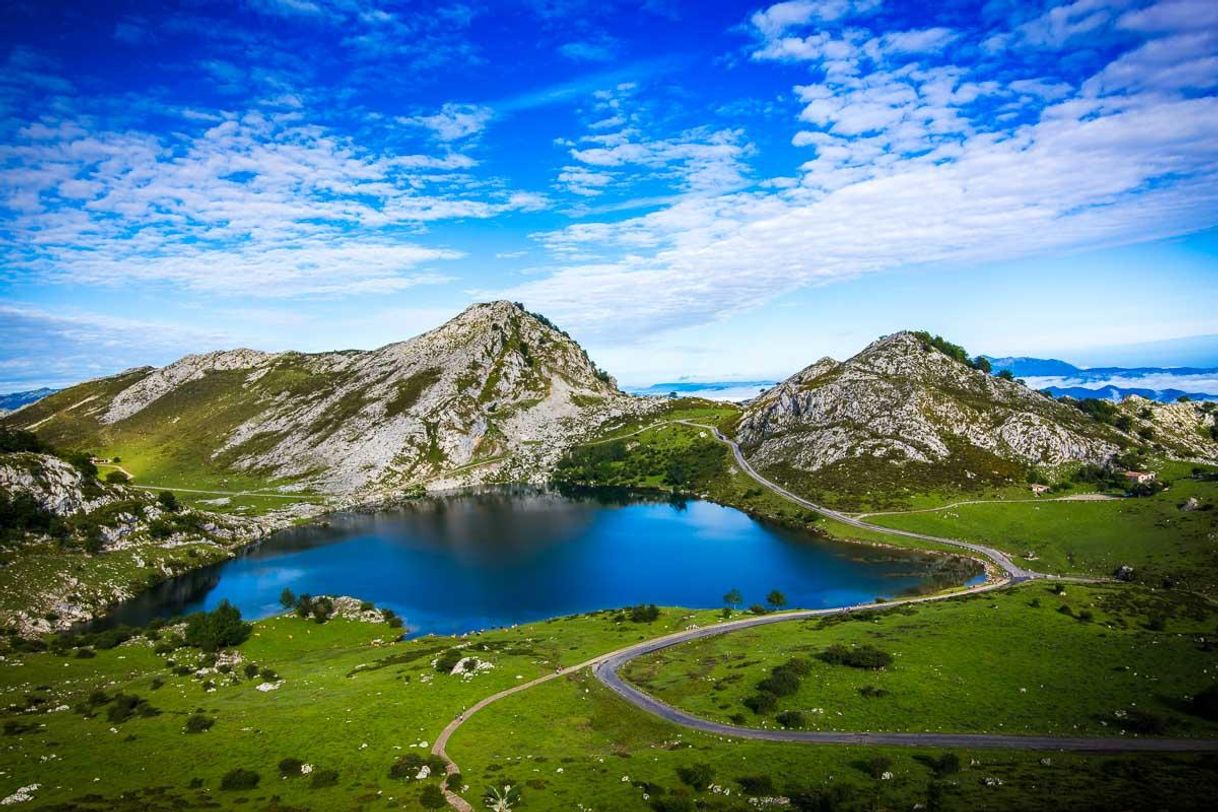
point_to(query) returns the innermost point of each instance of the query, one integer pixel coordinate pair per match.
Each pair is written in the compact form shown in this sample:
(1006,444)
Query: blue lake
(503,556)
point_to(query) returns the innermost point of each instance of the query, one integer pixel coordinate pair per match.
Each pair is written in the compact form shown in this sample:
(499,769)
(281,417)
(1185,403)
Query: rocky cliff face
(93,545)
(495,392)
(901,401)
(1183,430)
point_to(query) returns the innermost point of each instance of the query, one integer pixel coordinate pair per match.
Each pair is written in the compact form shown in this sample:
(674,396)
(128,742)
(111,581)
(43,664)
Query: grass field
(1009,661)
(350,700)
(1151,534)
(572,745)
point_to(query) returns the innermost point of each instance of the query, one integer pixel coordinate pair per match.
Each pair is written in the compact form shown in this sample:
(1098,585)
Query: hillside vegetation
(496,386)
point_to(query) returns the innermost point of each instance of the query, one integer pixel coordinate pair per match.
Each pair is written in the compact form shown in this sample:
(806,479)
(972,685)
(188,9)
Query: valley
(907,461)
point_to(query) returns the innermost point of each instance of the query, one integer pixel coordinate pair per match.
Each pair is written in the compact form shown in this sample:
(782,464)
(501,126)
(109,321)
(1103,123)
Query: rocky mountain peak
(904,399)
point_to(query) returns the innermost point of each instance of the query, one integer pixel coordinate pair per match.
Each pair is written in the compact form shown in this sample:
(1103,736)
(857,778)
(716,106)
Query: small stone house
(1140,477)
(1038,489)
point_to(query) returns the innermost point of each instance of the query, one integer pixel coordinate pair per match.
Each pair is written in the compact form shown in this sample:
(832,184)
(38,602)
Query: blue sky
(708,190)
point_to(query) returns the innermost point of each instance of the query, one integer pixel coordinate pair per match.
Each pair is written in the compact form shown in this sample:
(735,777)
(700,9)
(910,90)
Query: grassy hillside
(1011,661)
(1162,542)
(351,703)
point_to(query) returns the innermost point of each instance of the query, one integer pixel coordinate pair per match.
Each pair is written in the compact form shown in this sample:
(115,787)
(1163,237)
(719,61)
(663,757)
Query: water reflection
(509,555)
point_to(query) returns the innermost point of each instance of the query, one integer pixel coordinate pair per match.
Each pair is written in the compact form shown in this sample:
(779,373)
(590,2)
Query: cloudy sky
(711,189)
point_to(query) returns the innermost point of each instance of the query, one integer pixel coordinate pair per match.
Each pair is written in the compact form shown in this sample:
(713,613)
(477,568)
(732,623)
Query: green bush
(876,766)
(644,613)
(323,778)
(217,629)
(864,656)
(447,661)
(239,779)
(756,784)
(432,797)
(761,702)
(198,723)
(698,776)
(791,718)
(290,767)
(1205,703)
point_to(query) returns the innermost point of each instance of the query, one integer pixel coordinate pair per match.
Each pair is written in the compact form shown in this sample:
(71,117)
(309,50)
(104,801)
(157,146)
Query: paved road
(1013,570)
(607,669)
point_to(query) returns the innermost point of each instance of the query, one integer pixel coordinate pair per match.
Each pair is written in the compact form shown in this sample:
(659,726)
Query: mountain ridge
(492,382)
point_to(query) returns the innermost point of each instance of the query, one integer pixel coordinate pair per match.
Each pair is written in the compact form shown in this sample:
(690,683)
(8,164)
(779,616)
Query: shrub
(250,670)
(872,692)
(761,702)
(323,778)
(117,478)
(287,598)
(157,683)
(756,784)
(1205,703)
(85,654)
(268,674)
(217,629)
(239,778)
(168,502)
(876,766)
(946,764)
(779,683)
(454,781)
(1144,721)
(128,705)
(791,718)
(407,766)
(698,776)
(864,656)
(432,797)
(290,767)
(643,613)
(447,661)
(198,723)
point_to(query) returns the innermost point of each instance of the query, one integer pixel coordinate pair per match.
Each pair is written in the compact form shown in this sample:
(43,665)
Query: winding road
(607,667)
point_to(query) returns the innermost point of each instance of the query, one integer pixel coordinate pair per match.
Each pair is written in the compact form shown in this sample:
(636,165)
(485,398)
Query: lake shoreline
(910,563)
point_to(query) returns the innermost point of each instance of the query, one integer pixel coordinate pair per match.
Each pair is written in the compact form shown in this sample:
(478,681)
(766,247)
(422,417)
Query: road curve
(607,669)
(1012,570)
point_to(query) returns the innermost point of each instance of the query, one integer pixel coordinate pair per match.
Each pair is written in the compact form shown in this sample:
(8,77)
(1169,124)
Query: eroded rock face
(494,392)
(54,484)
(1182,430)
(901,401)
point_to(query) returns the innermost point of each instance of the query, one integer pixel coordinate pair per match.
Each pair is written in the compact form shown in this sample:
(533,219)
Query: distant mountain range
(711,390)
(1163,384)
(15,400)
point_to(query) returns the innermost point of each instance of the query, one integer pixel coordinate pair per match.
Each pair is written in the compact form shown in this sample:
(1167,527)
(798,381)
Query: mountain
(1163,384)
(901,413)
(496,392)
(15,400)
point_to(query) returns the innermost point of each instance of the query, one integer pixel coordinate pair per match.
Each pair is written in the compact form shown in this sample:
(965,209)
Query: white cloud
(252,206)
(454,121)
(1098,173)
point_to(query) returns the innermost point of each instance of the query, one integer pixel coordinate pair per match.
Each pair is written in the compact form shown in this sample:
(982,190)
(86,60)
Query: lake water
(479,560)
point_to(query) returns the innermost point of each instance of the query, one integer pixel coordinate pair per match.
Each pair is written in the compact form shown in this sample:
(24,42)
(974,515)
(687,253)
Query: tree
(776,599)
(1006,375)
(168,501)
(733,598)
(287,598)
(982,363)
(117,478)
(217,629)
